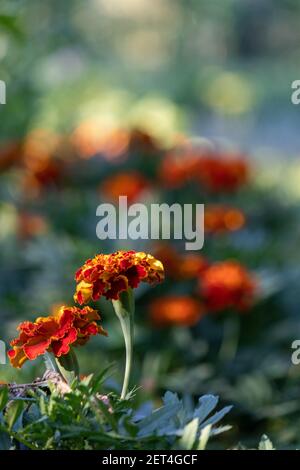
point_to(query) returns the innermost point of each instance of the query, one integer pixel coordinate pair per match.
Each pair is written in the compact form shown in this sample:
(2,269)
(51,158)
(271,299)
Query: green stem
(124,309)
(229,345)
(68,366)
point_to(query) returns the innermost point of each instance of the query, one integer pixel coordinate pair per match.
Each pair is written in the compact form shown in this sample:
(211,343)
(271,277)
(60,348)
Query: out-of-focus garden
(162,101)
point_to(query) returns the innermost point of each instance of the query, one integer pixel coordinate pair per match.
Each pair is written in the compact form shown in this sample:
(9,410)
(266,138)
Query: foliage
(82,418)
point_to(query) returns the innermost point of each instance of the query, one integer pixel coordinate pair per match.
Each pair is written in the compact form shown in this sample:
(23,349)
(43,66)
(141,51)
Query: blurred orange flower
(109,275)
(39,145)
(31,225)
(130,184)
(92,137)
(218,172)
(10,154)
(175,310)
(220,218)
(70,326)
(42,159)
(226,285)
(222,172)
(177,167)
(180,266)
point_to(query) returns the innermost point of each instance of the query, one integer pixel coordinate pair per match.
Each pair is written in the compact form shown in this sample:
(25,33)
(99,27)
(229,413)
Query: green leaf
(9,24)
(13,412)
(265,443)
(207,403)
(158,420)
(3,397)
(5,441)
(68,366)
(49,362)
(216,417)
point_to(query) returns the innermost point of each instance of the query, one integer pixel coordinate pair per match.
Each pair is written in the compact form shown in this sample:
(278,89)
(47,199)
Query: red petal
(62,346)
(98,289)
(135,274)
(118,285)
(36,346)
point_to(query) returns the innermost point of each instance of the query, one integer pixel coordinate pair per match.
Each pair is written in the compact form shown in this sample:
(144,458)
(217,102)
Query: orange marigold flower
(227,285)
(109,275)
(222,172)
(175,310)
(191,265)
(177,168)
(70,326)
(130,184)
(220,218)
(180,266)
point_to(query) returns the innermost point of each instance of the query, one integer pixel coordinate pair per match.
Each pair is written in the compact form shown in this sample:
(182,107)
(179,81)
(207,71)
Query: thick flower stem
(124,308)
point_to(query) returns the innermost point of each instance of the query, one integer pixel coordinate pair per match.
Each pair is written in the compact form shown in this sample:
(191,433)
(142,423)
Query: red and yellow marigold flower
(71,326)
(109,275)
(175,310)
(227,285)
(220,218)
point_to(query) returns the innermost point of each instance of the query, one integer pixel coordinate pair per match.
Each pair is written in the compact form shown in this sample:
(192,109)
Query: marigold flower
(222,172)
(180,266)
(191,265)
(70,326)
(109,275)
(42,160)
(177,168)
(227,285)
(220,218)
(130,184)
(217,172)
(175,310)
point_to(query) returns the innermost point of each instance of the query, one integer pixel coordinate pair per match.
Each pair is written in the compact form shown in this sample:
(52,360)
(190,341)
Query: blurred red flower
(220,218)
(130,184)
(226,285)
(175,310)
(180,266)
(222,172)
(178,167)
(217,172)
